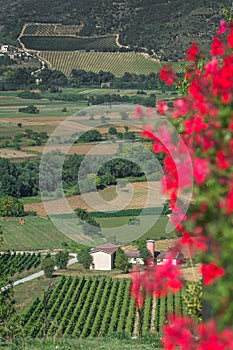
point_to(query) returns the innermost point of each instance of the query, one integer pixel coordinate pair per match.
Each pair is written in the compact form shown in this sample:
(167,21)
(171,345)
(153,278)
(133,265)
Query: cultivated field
(14,154)
(48,29)
(97,306)
(36,233)
(143,195)
(115,62)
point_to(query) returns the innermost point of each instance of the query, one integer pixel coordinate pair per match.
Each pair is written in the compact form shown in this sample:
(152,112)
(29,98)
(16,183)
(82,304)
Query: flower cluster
(183,333)
(156,280)
(204,116)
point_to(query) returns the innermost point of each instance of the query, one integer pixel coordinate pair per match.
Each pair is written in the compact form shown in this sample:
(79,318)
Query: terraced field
(115,62)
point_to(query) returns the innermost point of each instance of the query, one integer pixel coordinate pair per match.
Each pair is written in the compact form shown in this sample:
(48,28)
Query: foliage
(7,306)
(61,259)
(85,258)
(165,28)
(90,136)
(192,299)
(69,43)
(12,263)
(10,206)
(30,95)
(121,261)
(112,130)
(48,265)
(127,212)
(29,109)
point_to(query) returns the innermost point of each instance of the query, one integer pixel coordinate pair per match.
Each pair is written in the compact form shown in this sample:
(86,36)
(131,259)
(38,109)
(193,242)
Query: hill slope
(167,27)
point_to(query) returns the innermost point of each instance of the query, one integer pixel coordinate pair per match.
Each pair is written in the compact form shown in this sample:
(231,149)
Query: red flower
(193,242)
(161,279)
(211,272)
(178,334)
(162,107)
(136,289)
(167,74)
(217,47)
(221,161)
(192,53)
(195,125)
(201,169)
(230,39)
(222,28)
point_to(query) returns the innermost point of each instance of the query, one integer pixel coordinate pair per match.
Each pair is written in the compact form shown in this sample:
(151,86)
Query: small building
(175,257)
(134,256)
(4,48)
(103,257)
(105,85)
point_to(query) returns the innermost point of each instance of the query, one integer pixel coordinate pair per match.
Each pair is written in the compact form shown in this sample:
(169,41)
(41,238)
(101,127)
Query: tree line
(22,179)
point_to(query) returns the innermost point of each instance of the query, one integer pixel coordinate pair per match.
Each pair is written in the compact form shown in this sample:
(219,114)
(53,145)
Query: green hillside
(167,27)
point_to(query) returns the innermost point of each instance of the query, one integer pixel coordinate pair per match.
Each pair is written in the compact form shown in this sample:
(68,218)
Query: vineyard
(69,43)
(115,62)
(95,306)
(13,263)
(50,29)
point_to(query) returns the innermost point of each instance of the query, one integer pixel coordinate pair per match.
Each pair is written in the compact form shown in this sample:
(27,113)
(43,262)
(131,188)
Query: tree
(61,259)
(48,265)
(121,261)
(90,136)
(85,258)
(10,206)
(112,130)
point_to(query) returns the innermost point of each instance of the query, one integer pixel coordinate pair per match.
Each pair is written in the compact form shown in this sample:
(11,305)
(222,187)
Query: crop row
(13,263)
(95,306)
(69,43)
(115,62)
(42,29)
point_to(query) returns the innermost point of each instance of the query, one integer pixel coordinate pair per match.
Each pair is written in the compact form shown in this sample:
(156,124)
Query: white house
(103,256)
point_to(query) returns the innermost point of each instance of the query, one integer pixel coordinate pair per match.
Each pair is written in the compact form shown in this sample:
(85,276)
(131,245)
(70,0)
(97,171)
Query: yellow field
(144,195)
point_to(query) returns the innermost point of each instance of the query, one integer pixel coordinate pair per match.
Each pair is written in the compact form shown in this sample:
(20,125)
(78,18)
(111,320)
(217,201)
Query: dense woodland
(167,27)
(22,179)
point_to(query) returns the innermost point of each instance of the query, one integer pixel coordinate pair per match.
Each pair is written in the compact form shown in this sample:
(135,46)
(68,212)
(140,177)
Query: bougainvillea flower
(178,334)
(211,272)
(221,160)
(201,169)
(230,39)
(217,47)
(192,52)
(168,74)
(136,289)
(222,27)
(162,107)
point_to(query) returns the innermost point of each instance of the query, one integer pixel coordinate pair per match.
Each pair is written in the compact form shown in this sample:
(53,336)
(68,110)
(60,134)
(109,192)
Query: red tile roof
(107,248)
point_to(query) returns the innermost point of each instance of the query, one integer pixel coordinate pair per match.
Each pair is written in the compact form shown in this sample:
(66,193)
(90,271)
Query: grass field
(133,232)
(37,233)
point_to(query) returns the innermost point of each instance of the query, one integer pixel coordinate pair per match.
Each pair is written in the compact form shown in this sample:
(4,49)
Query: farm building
(176,258)
(103,257)
(134,256)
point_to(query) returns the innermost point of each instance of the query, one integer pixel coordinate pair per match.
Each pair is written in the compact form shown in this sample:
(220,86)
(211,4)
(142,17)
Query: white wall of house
(138,261)
(166,261)
(102,261)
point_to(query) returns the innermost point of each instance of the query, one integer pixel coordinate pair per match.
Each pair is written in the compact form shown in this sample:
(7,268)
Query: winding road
(38,274)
